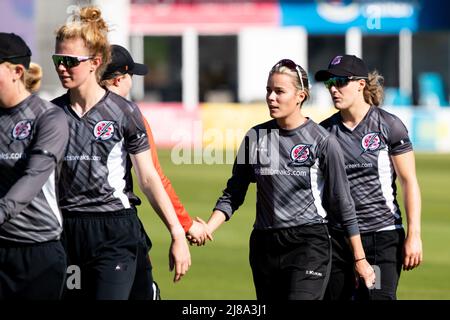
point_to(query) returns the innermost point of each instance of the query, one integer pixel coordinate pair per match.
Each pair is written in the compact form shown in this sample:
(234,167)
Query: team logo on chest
(300,153)
(22,129)
(371,142)
(104,130)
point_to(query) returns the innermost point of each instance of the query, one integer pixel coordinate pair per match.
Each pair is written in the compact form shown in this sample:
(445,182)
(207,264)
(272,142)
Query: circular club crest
(300,153)
(22,130)
(104,130)
(371,142)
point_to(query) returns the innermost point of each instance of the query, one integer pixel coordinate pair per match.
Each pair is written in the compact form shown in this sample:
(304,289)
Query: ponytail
(373,91)
(33,77)
(89,25)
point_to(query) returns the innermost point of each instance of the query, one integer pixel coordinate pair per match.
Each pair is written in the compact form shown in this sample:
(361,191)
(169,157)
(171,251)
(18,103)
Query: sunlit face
(347,96)
(10,77)
(121,84)
(6,80)
(5,77)
(282,97)
(125,85)
(76,76)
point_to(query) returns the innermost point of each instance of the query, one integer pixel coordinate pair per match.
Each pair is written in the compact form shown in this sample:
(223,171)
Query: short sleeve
(398,138)
(135,135)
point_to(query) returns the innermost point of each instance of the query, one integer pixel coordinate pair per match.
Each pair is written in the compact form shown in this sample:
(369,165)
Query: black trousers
(384,251)
(144,287)
(292,263)
(32,271)
(105,247)
(342,277)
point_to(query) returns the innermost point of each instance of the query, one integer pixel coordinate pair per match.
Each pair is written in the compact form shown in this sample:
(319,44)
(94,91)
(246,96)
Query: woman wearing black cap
(119,71)
(376,148)
(33,137)
(102,232)
(301,183)
(118,78)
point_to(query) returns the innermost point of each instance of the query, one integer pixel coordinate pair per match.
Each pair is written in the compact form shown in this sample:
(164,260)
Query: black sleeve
(331,121)
(242,174)
(337,199)
(326,123)
(397,135)
(47,149)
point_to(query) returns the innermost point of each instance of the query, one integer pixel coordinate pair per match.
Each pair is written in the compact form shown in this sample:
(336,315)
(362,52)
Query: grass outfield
(220,270)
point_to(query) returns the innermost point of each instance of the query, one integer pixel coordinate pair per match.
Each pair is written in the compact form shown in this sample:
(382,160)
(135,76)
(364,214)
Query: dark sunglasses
(68,61)
(340,82)
(292,66)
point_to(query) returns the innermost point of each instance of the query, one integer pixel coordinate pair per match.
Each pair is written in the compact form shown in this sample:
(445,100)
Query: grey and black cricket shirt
(96,171)
(299,174)
(367,150)
(32,142)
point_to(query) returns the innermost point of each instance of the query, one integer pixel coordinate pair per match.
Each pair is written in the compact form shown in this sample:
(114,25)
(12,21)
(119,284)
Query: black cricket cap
(13,49)
(343,66)
(122,62)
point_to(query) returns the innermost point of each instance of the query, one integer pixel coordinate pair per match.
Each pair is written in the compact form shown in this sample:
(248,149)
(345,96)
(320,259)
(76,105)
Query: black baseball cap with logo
(122,62)
(13,49)
(343,66)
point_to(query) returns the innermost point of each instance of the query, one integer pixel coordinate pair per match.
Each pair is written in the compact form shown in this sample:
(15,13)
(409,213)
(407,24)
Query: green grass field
(220,270)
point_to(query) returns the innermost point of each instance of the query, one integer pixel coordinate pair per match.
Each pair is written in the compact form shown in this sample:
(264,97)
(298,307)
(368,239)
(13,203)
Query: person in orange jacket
(118,79)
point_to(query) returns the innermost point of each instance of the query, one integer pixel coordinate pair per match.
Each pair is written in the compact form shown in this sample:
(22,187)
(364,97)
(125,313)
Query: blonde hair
(373,91)
(282,69)
(107,82)
(110,81)
(31,77)
(89,25)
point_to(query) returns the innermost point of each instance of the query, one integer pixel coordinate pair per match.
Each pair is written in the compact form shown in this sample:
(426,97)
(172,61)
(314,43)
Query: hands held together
(179,256)
(199,233)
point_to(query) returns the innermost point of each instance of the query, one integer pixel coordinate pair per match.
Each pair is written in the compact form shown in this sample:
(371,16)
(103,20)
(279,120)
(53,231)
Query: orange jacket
(182,215)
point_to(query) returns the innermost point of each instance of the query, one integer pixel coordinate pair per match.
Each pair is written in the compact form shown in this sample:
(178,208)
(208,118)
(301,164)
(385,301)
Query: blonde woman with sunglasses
(301,183)
(376,149)
(33,135)
(102,232)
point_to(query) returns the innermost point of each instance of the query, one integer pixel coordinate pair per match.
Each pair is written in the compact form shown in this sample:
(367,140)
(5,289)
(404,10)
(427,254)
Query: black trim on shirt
(45,153)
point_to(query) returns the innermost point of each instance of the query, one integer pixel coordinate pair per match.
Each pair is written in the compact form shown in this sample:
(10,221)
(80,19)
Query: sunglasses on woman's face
(340,82)
(68,61)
